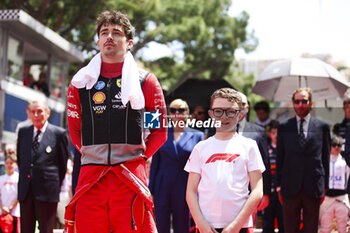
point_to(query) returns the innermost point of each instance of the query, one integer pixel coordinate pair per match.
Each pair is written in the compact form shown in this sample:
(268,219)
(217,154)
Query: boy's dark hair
(229,94)
(262,105)
(11,156)
(272,125)
(115,17)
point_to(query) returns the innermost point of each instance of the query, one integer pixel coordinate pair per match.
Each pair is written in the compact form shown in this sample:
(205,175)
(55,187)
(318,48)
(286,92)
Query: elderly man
(42,151)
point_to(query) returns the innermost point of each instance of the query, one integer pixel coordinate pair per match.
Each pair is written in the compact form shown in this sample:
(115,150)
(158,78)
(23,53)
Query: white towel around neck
(130,89)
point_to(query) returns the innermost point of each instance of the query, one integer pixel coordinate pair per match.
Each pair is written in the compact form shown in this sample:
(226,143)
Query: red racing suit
(109,134)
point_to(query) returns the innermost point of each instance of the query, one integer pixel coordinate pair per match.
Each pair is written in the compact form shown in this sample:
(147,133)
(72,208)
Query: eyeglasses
(300,101)
(175,110)
(338,145)
(230,112)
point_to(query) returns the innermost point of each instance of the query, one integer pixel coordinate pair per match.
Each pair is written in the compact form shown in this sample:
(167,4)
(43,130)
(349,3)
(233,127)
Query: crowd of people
(305,183)
(132,179)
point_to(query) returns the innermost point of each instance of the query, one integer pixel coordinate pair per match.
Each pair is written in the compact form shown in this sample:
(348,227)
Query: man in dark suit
(258,134)
(42,151)
(303,149)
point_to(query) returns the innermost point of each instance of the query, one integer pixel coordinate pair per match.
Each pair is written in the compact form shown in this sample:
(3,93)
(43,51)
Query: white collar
(307,118)
(263,123)
(131,88)
(42,130)
(334,158)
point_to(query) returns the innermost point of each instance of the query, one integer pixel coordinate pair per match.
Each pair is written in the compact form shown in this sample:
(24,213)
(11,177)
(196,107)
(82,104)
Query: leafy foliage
(203,33)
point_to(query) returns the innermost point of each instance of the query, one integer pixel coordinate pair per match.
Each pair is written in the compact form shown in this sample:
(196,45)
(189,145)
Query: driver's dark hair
(115,17)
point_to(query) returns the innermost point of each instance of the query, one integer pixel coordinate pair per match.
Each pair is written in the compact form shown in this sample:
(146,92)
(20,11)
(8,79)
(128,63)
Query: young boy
(221,169)
(8,192)
(274,209)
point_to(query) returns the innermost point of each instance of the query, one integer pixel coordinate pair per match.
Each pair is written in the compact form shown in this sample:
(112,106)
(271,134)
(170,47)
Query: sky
(289,28)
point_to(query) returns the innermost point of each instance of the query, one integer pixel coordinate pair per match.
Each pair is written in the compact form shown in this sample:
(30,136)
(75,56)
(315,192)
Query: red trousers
(111,206)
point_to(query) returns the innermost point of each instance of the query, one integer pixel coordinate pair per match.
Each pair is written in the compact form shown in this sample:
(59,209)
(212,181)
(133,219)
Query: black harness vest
(106,121)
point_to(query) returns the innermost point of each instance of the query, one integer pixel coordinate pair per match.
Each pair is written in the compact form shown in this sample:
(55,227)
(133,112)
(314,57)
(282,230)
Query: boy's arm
(251,204)
(192,201)
(4,209)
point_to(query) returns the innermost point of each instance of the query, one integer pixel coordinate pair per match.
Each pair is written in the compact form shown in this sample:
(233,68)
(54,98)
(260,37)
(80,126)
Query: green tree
(72,19)
(204,34)
(245,83)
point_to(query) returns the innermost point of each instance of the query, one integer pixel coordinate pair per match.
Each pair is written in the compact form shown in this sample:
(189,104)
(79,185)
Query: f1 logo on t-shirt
(151,120)
(227,157)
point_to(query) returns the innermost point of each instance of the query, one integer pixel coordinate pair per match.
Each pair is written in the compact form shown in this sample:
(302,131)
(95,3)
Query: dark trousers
(272,211)
(180,217)
(170,208)
(293,206)
(76,169)
(32,210)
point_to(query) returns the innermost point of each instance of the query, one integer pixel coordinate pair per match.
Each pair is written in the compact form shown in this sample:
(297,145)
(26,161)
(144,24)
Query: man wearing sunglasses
(303,147)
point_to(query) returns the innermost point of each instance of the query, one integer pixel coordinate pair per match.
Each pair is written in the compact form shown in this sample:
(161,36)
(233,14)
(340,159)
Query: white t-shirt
(8,192)
(224,166)
(338,173)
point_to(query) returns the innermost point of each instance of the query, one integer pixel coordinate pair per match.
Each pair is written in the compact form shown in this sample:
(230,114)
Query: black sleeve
(347,147)
(263,148)
(280,155)
(17,148)
(63,155)
(45,89)
(326,148)
(154,170)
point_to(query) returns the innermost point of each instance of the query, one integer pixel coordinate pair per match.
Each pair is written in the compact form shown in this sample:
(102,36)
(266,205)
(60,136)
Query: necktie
(237,128)
(35,144)
(302,139)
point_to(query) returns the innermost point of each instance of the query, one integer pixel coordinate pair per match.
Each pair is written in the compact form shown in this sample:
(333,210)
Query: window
(57,70)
